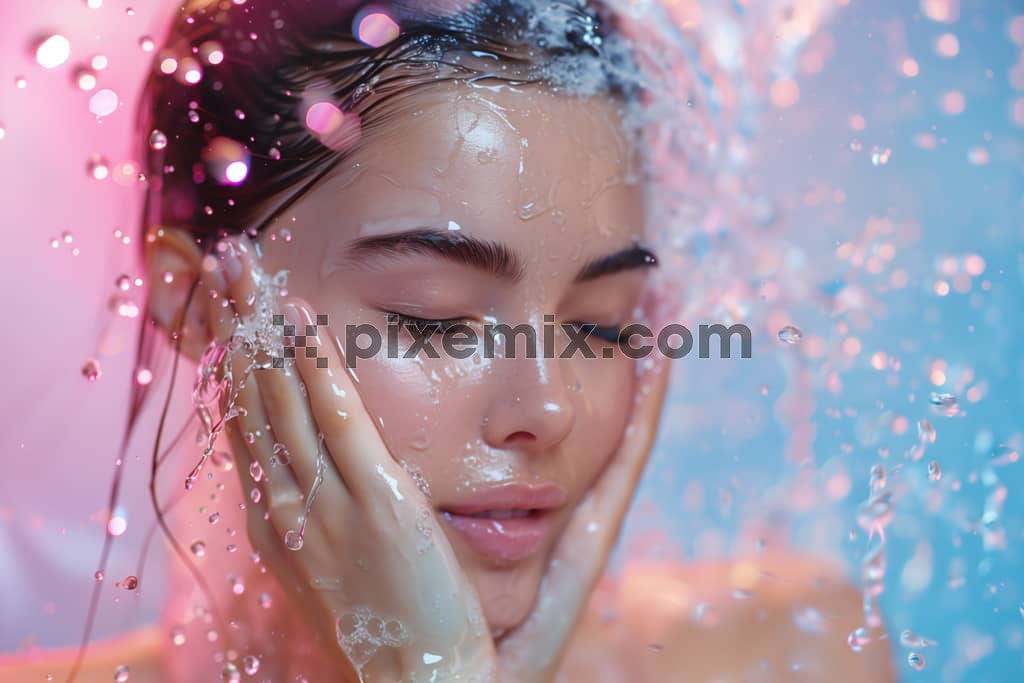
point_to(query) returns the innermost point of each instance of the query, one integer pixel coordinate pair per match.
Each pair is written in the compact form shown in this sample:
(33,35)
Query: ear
(173,264)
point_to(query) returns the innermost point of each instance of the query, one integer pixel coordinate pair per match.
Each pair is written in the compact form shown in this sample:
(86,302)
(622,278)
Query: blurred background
(881,266)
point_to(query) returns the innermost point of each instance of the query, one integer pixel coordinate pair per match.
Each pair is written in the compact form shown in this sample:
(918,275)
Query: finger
(261,464)
(352,439)
(292,421)
(221,313)
(259,438)
(241,266)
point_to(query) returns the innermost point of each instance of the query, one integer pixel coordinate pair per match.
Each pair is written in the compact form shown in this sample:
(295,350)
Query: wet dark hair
(275,53)
(258,61)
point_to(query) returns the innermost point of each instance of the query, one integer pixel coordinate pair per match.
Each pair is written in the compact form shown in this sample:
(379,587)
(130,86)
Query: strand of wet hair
(115,489)
(138,394)
(155,466)
(140,566)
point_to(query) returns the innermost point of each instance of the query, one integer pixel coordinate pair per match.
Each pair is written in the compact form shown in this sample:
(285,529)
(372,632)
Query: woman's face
(522,190)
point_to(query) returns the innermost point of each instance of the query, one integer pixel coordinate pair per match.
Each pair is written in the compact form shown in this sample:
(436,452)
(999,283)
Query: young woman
(322,173)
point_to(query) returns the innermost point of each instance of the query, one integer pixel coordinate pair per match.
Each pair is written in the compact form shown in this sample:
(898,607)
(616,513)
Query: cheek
(405,400)
(604,402)
(431,415)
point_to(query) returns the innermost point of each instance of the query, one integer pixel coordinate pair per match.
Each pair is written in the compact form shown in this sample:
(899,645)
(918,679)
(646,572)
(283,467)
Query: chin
(507,595)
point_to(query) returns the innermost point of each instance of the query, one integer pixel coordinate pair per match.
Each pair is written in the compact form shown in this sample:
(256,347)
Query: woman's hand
(531,652)
(334,517)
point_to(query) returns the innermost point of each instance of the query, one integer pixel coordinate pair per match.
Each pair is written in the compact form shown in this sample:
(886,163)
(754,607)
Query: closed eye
(425,326)
(610,333)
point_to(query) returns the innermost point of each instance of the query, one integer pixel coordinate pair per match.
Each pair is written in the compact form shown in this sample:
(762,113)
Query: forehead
(543,172)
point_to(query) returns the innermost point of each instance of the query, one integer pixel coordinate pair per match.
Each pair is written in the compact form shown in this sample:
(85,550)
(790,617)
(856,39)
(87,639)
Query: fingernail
(291,314)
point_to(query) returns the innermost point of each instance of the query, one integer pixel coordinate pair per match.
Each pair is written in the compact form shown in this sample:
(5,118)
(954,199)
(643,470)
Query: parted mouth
(503,514)
(508,501)
(507,523)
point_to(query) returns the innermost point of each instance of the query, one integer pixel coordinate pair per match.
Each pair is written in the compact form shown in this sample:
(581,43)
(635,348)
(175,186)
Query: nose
(531,407)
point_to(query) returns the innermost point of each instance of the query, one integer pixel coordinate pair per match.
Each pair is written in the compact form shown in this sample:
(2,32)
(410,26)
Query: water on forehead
(541,171)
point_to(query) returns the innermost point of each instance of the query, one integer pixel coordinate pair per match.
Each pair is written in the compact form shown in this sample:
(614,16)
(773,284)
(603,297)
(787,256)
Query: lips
(507,523)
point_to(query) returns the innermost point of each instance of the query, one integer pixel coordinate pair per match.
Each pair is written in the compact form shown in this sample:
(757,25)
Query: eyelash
(611,334)
(422,324)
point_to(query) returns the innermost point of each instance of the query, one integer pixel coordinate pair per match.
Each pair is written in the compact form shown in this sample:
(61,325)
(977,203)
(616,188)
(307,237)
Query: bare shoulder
(761,618)
(139,651)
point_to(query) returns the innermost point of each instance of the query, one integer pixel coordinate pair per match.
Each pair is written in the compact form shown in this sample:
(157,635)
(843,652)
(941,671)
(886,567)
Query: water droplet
(98,167)
(915,660)
(264,600)
(130,583)
(910,639)
(230,673)
(104,102)
(877,478)
(121,673)
(934,472)
(251,664)
(53,51)
(146,43)
(98,575)
(91,370)
(178,636)
(925,431)
(790,334)
(705,615)
(874,514)
(945,404)
(198,549)
(118,524)
(20,83)
(274,153)
(85,78)
(255,495)
(281,454)
(293,540)
(237,584)
(157,140)
(858,638)
(255,471)
(214,517)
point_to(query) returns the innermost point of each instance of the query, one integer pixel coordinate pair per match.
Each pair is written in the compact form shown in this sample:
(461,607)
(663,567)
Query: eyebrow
(487,255)
(626,259)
